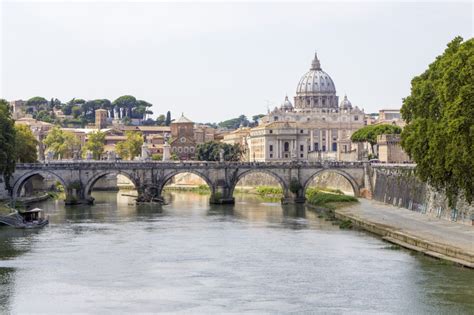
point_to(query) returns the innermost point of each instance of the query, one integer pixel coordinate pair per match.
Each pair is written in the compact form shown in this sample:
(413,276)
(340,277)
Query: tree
(95,144)
(168,118)
(44,115)
(37,102)
(142,110)
(122,150)
(234,123)
(127,102)
(7,143)
(161,120)
(67,108)
(369,133)
(255,118)
(439,112)
(25,145)
(149,122)
(131,147)
(76,111)
(62,144)
(210,151)
(89,108)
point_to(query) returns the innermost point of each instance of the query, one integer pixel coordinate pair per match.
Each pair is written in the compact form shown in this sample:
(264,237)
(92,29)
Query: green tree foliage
(25,145)
(133,108)
(131,147)
(439,112)
(295,185)
(210,151)
(255,118)
(234,123)
(76,111)
(7,143)
(89,108)
(161,120)
(45,115)
(67,108)
(62,144)
(95,144)
(369,133)
(168,118)
(37,102)
(54,104)
(157,157)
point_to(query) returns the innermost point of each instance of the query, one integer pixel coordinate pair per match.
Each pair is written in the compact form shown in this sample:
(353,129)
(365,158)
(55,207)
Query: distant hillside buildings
(317,127)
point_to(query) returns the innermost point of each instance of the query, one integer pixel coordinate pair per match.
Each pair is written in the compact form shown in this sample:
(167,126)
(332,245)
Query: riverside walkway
(431,236)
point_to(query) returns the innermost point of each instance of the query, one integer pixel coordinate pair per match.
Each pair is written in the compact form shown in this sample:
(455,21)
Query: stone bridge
(150,177)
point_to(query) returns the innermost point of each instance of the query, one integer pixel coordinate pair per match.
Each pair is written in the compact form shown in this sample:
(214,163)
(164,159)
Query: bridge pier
(222,195)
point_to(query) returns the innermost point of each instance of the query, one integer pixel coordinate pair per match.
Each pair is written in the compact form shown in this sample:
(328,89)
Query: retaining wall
(401,188)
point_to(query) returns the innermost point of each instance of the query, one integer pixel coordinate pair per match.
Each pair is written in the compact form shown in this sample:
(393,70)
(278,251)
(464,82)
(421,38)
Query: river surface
(190,257)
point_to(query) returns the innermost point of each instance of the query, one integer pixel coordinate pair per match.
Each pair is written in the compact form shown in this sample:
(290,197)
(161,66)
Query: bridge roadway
(149,177)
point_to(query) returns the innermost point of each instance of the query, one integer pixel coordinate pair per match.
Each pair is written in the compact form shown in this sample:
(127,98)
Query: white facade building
(316,128)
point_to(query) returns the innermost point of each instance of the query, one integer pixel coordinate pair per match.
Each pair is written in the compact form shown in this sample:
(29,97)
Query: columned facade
(318,127)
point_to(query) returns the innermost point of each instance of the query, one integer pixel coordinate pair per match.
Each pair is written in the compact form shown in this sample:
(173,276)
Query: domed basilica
(317,127)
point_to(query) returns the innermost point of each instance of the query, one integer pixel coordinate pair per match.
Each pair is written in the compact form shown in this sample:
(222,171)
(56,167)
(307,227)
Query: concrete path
(414,230)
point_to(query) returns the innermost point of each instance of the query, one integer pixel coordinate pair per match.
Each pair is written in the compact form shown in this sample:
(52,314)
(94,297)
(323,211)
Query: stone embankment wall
(3,192)
(401,188)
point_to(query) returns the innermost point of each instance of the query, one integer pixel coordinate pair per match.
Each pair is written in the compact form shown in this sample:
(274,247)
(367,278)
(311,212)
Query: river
(189,256)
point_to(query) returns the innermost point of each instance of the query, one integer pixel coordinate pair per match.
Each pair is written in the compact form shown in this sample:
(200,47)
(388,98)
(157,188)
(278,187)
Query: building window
(286,156)
(286,147)
(324,148)
(301,131)
(334,146)
(275,118)
(345,148)
(271,156)
(271,147)
(316,146)
(271,131)
(356,117)
(185,149)
(180,149)
(302,147)
(191,149)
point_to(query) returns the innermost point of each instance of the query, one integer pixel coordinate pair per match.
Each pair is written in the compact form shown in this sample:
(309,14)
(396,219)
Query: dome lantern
(315,65)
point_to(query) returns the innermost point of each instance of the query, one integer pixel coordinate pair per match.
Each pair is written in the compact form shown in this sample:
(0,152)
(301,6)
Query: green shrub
(317,198)
(266,191)
(295,185)
(157,157)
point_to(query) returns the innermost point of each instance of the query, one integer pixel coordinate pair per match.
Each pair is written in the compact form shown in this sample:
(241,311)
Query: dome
(286,104)
(346,103)
(315,81)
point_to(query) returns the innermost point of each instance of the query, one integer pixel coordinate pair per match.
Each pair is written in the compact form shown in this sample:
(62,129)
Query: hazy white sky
(215,61)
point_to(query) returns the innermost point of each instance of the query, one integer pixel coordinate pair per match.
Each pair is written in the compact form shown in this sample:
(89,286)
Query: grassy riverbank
(201,189)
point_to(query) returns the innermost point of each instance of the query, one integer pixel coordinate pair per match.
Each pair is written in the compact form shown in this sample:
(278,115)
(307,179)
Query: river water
(192,257)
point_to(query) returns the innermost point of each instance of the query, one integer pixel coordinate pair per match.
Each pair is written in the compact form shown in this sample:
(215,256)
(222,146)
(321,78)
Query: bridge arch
(348,177)
(91,182)
(167,177)
(22,180)
(281,181)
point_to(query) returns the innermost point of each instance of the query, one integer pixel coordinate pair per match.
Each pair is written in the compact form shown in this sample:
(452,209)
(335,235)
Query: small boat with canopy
(28,219)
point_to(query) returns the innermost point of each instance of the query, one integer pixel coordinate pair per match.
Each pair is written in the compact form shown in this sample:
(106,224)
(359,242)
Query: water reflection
(188,256)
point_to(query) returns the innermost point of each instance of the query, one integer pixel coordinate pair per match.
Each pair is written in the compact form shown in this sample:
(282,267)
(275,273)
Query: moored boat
(29,219)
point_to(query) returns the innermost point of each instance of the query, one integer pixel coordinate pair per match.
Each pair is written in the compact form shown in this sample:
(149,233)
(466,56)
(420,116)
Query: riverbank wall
(398,186)
(436,238)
